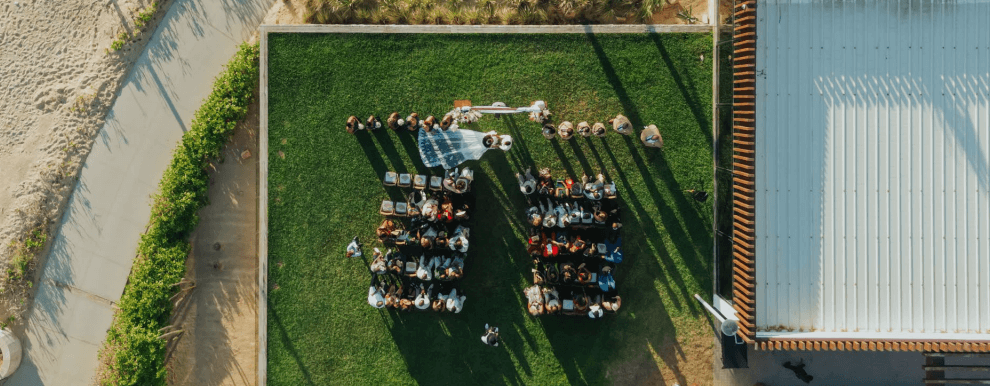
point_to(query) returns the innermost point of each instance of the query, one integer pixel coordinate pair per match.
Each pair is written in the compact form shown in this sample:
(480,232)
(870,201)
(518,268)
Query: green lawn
(324,188)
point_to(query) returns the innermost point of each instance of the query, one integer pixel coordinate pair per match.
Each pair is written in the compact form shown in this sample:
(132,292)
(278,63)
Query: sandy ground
(219,316)
(219,345)
(57,83)
(685,362)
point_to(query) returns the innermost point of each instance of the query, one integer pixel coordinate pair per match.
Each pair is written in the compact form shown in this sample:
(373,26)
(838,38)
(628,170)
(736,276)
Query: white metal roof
(873,168)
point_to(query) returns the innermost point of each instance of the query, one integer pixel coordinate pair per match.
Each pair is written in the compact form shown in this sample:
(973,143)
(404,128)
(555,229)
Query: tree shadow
(283,335)
(703,123)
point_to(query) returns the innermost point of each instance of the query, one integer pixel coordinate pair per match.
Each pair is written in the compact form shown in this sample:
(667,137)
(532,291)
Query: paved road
(93,250)
(827,368)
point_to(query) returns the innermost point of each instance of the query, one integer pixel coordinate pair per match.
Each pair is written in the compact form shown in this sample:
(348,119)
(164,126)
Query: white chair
(391,178)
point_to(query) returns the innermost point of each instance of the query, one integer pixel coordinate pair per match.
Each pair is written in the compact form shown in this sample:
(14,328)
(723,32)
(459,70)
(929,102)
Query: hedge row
(133,354)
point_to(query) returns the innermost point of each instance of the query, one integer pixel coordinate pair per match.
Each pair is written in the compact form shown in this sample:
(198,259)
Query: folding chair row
(417,181)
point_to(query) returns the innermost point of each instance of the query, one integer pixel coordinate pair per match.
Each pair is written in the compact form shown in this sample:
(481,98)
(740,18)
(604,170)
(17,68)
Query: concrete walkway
(92,252)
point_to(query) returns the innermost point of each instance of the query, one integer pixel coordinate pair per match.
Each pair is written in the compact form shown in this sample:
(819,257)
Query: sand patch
(58,79)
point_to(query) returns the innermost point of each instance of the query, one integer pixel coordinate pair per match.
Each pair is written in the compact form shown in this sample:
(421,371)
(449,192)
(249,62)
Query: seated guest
(549,131)
(440,271)
(583,274)
(392,296)
(568,274)
(534,216)
(598,129)
(552,300)
(455,303)
(552,274)
(378,265)
(621,124)
(574,189)
(466,177)
(459,241)
(550,250)
(549,217)
(613,304)
(456,269)
(462,213)
(593,189)
(441,240)
(425,270)
(406,302)
(534,300)
(527,185)
(491,336)
(610,190)
(376,296)
(439,305)
(576,245)
(538,277)
(384,231)
(544,182)
(353,124)
(396,262)
(394,122)
(651,136)
(580,302)
(595,311)
(446,210)
(423,299)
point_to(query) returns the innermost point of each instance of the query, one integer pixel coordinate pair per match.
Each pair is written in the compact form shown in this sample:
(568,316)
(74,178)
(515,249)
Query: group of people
(440,267)
(426,248)
(434,199)
(389,292)
(428,236)
(548,301)
(575,242)
(567,130)
(592,189)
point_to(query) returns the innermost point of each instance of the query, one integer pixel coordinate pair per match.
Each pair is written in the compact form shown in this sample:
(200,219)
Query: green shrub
(133,354)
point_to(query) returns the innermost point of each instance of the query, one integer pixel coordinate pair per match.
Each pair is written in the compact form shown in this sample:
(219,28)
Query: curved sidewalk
(92,252)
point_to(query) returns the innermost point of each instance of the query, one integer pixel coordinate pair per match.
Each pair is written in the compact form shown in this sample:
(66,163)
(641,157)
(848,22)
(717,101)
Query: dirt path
(219,316)
(219,345)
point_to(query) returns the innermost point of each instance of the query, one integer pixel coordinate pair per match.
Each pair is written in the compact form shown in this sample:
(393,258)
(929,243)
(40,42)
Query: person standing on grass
(651,136)
(354,248)
(491,336)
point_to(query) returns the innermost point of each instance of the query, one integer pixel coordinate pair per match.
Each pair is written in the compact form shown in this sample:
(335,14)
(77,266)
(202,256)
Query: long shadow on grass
(446,349)
(520,153)
(371,153)
(409,142)
(581,159)
(651,232)
(682,239)
(284,337)
(703,123)
(642,331)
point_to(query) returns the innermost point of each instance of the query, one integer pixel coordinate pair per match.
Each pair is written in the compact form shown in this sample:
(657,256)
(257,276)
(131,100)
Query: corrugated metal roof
(873,168)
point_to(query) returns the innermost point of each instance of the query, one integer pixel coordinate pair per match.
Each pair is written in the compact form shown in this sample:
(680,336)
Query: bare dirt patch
(58,79)
(219,343)
(685,362)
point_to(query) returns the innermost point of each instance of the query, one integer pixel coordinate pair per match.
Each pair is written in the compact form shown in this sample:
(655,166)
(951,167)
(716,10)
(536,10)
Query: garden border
(265,29)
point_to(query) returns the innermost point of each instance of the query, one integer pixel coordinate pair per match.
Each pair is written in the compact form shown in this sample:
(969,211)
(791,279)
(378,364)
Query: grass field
(325,188)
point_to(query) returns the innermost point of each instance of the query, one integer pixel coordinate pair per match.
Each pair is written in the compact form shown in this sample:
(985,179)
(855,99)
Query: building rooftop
(871,187)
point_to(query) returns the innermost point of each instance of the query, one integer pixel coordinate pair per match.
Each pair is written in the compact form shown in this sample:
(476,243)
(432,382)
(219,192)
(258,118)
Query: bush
(133,353)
